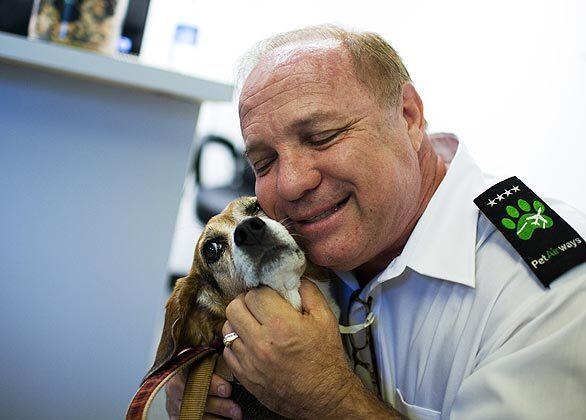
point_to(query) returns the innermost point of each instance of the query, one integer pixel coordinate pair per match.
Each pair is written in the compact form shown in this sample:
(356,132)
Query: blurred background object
(15,17)
(91,24)
(212,199)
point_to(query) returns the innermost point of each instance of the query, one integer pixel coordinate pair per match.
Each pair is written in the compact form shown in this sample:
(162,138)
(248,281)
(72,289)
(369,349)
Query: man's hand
(294,363)
(218,402)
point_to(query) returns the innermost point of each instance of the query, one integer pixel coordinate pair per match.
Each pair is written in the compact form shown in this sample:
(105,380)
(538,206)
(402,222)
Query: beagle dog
(239,249)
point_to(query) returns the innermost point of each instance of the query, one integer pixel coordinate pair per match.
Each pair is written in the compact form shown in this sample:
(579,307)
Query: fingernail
(222,390)
(235,412)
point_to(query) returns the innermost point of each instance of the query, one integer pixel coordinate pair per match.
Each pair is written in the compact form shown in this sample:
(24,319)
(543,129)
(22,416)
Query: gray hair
(376,63)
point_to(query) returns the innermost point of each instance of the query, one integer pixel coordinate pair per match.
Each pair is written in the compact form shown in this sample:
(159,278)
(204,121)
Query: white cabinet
(93,155)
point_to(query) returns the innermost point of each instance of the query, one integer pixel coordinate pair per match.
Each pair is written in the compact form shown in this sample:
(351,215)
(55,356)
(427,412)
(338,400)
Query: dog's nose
(249,232)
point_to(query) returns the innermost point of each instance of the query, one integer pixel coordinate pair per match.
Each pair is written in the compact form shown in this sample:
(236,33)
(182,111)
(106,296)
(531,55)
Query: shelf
(121,70)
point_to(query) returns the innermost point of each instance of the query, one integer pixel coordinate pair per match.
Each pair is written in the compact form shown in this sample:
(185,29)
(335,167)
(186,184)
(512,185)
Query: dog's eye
(212,251)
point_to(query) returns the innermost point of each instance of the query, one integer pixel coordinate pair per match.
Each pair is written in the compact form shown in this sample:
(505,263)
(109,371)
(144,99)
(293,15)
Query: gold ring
(229,339)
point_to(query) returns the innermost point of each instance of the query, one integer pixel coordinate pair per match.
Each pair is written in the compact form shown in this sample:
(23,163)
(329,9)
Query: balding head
(375,63)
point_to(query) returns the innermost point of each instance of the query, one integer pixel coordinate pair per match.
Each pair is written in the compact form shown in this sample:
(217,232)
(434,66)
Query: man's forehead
(317,57)
(298,91)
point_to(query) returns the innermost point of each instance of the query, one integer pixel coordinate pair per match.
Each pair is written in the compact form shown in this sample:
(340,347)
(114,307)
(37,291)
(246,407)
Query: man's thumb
(312,299)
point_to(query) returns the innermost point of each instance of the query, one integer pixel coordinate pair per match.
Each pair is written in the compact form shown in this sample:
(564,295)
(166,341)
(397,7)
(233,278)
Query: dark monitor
(15,14)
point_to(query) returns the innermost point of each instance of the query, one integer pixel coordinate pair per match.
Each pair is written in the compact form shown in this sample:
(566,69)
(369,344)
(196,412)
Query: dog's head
(238,249)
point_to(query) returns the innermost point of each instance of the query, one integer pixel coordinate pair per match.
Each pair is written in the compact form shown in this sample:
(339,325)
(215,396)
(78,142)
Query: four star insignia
(501,197)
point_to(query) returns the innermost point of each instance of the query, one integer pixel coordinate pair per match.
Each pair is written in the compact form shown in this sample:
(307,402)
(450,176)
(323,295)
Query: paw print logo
(527,222)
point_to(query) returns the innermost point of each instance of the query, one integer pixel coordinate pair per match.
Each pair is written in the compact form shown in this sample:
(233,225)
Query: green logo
(528,221)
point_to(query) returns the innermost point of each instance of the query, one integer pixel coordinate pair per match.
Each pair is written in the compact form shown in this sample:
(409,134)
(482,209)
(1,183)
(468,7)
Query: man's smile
(318,220)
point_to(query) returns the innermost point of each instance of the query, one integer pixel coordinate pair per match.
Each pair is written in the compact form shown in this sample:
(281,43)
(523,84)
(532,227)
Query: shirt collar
(443,242)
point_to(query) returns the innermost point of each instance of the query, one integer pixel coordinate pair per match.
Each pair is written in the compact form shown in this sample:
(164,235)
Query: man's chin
(329,260)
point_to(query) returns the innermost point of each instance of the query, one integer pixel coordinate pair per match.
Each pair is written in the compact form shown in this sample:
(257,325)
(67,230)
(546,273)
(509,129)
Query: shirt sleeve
(536,368)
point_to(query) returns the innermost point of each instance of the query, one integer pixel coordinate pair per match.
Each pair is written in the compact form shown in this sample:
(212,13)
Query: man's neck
(433,169)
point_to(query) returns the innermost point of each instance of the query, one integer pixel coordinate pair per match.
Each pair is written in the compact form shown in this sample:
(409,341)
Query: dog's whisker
(297,235)
(285,222)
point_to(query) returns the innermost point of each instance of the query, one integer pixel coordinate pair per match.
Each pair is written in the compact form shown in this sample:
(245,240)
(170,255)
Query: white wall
(507,76)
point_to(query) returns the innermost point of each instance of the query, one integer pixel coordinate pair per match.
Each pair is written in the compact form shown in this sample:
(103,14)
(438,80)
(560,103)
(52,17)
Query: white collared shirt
(463,329)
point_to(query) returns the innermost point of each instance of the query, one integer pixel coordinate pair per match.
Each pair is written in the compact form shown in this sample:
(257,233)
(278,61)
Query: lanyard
(353,329)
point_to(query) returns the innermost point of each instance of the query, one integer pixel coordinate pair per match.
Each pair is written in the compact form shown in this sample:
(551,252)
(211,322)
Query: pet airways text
(553,252)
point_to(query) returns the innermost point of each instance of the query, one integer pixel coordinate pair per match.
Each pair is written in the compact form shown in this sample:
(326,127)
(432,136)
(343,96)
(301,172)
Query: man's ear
(176,313)
(413,115)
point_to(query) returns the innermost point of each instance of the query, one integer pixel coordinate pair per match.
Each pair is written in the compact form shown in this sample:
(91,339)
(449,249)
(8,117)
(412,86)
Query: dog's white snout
(266,254)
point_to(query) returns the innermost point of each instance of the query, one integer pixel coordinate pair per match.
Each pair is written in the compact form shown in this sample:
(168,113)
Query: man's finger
(267,306)
(174,393)
(312,299)
(233,363)
(238,343)
(220,387)
(241,319)
(227,328)
(223,407)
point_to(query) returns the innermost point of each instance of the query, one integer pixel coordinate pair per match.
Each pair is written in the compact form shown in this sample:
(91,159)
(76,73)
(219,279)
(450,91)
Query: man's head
(333,133)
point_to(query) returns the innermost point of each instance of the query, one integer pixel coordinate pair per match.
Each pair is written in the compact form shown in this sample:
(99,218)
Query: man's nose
(249,232)
(297,175)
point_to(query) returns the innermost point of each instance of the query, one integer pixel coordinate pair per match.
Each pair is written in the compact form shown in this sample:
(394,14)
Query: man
(462,327)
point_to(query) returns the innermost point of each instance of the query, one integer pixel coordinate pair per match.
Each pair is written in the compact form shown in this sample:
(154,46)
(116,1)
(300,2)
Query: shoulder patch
(547,243)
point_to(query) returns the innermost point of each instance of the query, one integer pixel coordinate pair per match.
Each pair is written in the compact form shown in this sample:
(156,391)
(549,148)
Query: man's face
(331,162)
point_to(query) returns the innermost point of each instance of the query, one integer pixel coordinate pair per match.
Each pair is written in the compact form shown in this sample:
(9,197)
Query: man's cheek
(267,200)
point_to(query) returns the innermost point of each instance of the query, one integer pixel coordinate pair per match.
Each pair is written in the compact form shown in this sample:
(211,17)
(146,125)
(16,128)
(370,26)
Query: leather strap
(196,389)
(138,408)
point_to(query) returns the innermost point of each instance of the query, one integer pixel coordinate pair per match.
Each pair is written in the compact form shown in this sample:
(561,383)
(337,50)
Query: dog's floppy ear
(177,311)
